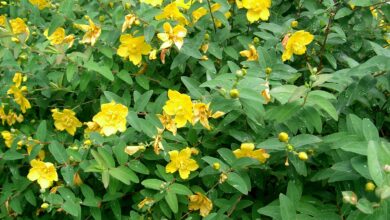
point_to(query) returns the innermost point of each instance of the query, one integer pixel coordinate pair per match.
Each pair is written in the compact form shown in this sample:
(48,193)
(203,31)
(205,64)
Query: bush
(152,109)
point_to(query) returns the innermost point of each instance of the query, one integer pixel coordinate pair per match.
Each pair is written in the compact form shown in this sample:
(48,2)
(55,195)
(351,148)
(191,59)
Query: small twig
(212,16)
(234,206)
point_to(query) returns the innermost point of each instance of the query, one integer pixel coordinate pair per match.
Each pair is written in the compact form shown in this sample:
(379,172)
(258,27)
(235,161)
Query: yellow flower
(41,4)
(19,27)
(44,173)
(8,138)
(296,44)
(3,20)
(57,37)
(257,9)
(92,32)
(266,93)
(129,21)
(172,36)
(11,118)
(153,54)
(18,79)
(200,202)
(130,150)
(182,162)
(172,12)
(66,120)
(247,150)
(180,106)
(111,118)
(19,97)
(133,48)
(152,2)
(198,14)
(185,4)
(168,123)
(250,54)
(202,113)
(92,127)
(374,12)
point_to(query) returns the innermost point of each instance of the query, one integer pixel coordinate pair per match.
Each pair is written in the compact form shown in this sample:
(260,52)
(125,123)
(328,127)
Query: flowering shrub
(190,109)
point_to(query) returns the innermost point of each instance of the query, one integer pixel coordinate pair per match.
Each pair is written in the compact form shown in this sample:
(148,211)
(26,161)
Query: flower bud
(44,205)
(127,6)
(222,178)
(234,93)
(303,156)
(370,186)
(283,137)
(206,36)
(289,147)
(313,78)
(102,18)
(256,40)
(194,151)
(268,70)
(349,197)
(216,165)
(294,24)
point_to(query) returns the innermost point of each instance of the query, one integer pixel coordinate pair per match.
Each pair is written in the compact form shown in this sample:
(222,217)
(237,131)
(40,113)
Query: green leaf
(374,166)
(58,151)
(12,155)
(124,174)
(153,184)
(370,130)
(227,155)
(102,70)
(365,206)
(193,87)
(237,182)
(70,71)
(171,199)
(304,139)
(180,189)
(72,208)
(142,101)
(125,76)
(287,209)
(362,3)
(342,13)
(138,167)
(105,178)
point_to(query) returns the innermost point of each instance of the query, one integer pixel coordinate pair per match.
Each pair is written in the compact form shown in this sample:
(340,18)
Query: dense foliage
(190,109)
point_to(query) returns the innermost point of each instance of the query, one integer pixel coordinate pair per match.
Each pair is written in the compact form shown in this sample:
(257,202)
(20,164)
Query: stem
(212,16)
(327,31)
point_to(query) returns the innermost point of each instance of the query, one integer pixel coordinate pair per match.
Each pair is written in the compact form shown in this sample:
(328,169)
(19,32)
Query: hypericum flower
(182,162)
(129,21)
(180,106)
(19,97)
(57,37)
(41,4)
(172,36)
(168,123)
(200,202)
(18,28)
(133,48)
(266,93)
(250,54)
(218,22)
(92,127)
(185,4)
(18,79)
(296,44)
(152,2)
(172,12)
(130,150)
(198,14)
(66,120)
(44,173)
(92,32)
(3,20)
(257,9)
(202,113)
(153,54)
(11,118)
(8,138)
(111,118)
(247,150)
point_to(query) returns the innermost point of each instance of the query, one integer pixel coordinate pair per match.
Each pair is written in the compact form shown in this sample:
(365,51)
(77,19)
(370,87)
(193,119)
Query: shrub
(185,109)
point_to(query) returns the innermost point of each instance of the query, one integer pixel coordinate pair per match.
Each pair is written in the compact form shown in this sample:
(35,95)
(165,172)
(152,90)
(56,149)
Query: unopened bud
(44,205)
(294,24)
(234,93)
(216,165)
(283,137)
(303,156)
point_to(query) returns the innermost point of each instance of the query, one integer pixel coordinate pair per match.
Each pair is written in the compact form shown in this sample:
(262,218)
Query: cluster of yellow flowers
(17,91)
(110,120)
(179,110)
